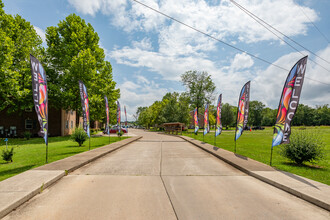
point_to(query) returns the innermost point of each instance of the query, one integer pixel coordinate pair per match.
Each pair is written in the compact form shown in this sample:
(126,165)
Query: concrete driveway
(163,177)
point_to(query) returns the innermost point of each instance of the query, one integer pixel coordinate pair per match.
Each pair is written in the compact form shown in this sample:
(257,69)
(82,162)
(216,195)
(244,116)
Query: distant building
(200,120)
(60,123)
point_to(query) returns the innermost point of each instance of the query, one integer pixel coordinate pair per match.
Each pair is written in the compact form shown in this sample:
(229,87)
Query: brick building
(60,123)
(200,120)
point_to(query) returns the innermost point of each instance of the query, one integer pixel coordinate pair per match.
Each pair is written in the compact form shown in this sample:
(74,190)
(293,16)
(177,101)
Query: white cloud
(144,44)
(242,61)
(87,6)
(169,67)
(222,20)
(268,85)
(41,33)
(140,93)
(178,48)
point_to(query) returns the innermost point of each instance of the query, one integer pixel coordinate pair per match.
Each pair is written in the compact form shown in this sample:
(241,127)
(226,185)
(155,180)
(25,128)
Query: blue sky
(149,52)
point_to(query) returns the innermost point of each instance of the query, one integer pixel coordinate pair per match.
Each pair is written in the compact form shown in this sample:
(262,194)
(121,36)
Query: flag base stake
(271,156)
(235,147)
(46,153)
(89,148)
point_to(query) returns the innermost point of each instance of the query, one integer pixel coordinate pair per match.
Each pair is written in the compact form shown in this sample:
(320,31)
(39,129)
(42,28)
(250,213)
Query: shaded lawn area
(257,145)
(31,153)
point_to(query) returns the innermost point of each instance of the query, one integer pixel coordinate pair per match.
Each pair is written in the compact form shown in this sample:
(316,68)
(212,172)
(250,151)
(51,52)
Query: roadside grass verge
(29,154)
(257,145)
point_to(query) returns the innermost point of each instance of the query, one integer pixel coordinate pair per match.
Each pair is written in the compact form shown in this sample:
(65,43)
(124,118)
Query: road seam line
(160,175)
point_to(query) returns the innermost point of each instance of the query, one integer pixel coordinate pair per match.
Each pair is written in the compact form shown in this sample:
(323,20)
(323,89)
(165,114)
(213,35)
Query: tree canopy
(74,54)
(200,88)
(255,113)
(172,108)
(18,39)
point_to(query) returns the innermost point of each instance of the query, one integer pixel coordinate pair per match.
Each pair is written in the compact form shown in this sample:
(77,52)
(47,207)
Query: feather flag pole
(288,104)
(85,109)
(218,125)
(40,98)
(196,121)
(118,119)
(126,121)
(206,120)
(107,129)
(242,111)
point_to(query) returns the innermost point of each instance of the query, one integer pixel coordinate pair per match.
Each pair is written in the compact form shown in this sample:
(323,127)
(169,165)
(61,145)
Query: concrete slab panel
(20,188)
(235,197)
(138,159)
(185,159)
(197,166)
(28,180)
(100,197)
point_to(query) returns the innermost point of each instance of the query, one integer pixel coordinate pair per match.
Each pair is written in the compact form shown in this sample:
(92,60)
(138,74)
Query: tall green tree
(227,115)
(255,113)
(269,117)
(304,115)
(322,115)
(74,54)
(184,110)
(176,108)
(200,88)
(137,114)
(18,39)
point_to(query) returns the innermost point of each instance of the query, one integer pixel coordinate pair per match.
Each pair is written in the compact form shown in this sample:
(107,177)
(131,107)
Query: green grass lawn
(31,153)
(257,145)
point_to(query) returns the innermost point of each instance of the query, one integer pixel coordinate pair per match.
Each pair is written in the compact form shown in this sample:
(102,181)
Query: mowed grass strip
(257,145)
(31,153)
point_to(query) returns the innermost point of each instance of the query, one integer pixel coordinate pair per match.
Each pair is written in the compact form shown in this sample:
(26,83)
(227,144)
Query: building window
(71,112)
(71,124)
(67,124)
(28,123)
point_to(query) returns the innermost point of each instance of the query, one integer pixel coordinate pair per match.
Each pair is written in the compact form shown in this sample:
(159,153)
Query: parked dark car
(258,128)
(247,128)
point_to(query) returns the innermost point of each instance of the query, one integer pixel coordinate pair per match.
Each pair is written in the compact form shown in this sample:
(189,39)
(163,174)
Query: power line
(317,81)
(227,44)
(256,17)
(325,37)
(208,35)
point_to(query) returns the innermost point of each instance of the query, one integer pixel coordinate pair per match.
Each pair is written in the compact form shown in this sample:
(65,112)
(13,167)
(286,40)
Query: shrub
(7,154)
(27,135)
(120,133)
(94,130)
(304,146)
(79,135)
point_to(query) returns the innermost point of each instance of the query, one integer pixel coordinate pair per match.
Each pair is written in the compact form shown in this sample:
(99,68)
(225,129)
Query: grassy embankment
(257,145)
(31,153)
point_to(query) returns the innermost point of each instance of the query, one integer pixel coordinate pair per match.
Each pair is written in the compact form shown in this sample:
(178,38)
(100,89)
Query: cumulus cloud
(269,83)
(222,20)
(144,44)
(175,49)
(242,61)
(41,33)
(87,6)
(139,92)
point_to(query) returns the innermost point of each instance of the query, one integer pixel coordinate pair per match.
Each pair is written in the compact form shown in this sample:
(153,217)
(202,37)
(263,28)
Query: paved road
(163,177)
